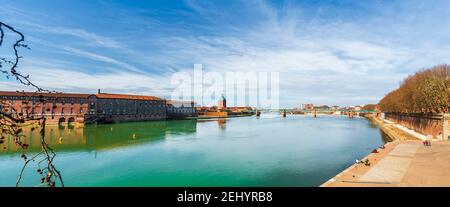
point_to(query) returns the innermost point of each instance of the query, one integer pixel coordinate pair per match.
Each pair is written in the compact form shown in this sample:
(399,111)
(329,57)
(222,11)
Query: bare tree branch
(12,122)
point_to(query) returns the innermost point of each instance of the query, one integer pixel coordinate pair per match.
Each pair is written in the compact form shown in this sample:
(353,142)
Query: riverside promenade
(405,162)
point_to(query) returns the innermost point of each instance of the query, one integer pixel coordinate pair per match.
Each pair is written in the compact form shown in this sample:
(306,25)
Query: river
(249,151)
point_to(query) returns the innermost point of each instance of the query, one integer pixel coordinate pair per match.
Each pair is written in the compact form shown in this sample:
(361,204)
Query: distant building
(240,109)
(180,109)
(307,107)
(322,108)
(350,108)
(358,108)
(205,108)
(221,110)
(335,108)
(222,103)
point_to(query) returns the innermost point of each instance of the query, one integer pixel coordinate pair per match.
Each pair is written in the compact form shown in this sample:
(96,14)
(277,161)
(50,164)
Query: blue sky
(327,52)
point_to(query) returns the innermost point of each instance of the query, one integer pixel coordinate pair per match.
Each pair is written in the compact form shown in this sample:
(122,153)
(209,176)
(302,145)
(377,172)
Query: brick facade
(426,124)
(66,108)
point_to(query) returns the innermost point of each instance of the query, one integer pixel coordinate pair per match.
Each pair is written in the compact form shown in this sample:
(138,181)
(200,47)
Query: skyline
(334,53)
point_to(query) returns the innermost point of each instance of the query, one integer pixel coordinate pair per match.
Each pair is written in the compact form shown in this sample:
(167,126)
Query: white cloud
(341,60)
(102,58)
(70,80)
(90,37)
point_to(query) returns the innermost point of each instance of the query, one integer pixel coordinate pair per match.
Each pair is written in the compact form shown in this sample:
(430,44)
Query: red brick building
(307,107)
(221,110)
(62,108)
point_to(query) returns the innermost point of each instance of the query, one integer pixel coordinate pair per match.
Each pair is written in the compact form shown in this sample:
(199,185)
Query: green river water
(247,151)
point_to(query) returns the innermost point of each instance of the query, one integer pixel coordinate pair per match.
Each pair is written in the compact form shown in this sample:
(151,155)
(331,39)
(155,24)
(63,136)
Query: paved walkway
(401,163)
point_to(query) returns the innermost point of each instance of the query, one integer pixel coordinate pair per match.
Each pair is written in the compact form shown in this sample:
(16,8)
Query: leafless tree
(13,121)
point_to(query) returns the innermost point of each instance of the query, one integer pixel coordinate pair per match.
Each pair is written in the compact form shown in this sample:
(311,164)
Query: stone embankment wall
(214,114)
(426,124)
(446,127)
(392,132)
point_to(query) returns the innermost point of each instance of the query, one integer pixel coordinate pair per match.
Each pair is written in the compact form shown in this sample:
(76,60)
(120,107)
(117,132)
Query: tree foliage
(370,107)
(427,91)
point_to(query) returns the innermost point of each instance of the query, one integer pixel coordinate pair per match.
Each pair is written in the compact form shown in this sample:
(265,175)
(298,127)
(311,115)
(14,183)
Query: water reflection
(372,125)
(246,151)
(98,137)
(222,123)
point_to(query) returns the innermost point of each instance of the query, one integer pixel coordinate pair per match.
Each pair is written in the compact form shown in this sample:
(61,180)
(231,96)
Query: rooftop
(29,94)
(79,95)
(126,96)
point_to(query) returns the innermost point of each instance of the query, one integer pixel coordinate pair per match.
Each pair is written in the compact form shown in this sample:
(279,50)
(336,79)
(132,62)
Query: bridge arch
(71,120)
(61,121)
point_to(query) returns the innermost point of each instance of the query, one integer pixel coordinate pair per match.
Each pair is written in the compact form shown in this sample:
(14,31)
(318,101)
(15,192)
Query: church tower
(222,104)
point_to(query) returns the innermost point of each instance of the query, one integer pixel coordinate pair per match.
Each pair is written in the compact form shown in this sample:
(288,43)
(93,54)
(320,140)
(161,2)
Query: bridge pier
(350,114)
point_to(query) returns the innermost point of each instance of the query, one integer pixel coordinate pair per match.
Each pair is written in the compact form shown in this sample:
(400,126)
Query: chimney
(99,91)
